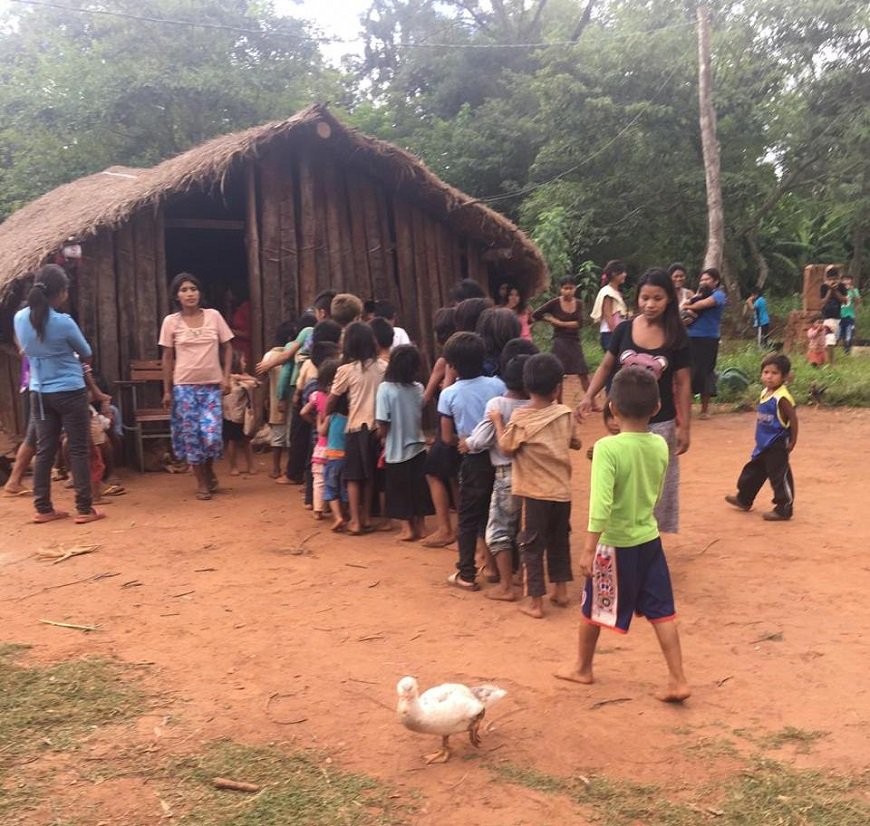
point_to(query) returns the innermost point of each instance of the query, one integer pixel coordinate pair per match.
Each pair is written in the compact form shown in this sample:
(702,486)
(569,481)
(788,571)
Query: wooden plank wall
(11,413)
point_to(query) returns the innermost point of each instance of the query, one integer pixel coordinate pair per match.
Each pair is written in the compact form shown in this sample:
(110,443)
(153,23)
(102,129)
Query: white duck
(446,709)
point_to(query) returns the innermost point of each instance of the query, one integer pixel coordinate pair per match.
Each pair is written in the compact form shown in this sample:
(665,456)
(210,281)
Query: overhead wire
(143,18)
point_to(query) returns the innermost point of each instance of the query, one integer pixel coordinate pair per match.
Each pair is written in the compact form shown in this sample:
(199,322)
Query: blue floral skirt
(197,422)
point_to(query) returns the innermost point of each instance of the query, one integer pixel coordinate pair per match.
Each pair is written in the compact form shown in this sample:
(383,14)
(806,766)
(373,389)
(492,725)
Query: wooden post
(434,277)
(145,261)
(126,279)
(270,247)
(374,241)
(331,192)
(425,307)
(362,284)
(388,244)
(252,244)
(163,303)
(101,255)
(406,273)
(289,245)
(348,261)
(321,227)
(307,239)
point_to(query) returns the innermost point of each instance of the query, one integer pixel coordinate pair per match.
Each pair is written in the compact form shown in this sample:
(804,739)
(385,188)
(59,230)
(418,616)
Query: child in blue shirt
(776,431)
(462,406)
(399,411)
(333,426)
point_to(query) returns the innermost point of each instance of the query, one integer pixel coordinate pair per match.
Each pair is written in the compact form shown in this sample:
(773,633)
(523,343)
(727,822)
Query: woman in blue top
(704,337)
(56,349)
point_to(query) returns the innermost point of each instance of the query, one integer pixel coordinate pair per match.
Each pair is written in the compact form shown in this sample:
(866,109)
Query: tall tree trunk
(760,261)
(715,215)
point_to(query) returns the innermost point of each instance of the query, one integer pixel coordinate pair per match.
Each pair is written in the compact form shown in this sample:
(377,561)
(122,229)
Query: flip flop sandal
(461,584)
(22,492)
(93,516)
(115,490)
(52,516)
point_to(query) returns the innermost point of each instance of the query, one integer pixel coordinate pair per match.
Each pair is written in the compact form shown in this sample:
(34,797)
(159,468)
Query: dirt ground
(252,621)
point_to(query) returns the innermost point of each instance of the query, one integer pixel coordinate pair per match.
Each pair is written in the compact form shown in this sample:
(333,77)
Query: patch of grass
(713,747)
(299,789)
(771,793)
(790,734)
(847,383)
(764,794)
(44,708)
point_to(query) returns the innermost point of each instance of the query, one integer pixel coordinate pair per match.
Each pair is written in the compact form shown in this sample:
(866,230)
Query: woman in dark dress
(565,315)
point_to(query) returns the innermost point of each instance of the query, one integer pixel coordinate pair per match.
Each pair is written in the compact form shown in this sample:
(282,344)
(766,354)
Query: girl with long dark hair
(656,340)
(57,351)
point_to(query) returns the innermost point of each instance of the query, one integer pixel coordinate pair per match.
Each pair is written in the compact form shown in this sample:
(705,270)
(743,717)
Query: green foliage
(80,92)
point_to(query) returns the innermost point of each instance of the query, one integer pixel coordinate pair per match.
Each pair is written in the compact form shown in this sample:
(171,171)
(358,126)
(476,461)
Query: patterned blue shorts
(197,422)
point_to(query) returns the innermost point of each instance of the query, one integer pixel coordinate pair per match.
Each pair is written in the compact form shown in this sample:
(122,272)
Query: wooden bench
(145,418)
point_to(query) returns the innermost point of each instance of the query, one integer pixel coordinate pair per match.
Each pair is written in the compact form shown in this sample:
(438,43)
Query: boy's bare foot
(674,693)
(574,675)
(318,515)
(309,506)
(235,472)
(501,594)
(561,601)
(275,474)
(252,471)
(339,525)
(532,609)
(407,537)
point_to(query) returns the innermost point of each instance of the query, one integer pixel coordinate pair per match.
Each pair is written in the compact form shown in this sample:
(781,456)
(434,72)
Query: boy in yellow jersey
(776,431)
(622,558)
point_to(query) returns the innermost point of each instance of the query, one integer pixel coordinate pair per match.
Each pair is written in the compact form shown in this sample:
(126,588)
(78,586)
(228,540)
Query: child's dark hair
(444,324)
(465,353)
(345,308)
(635,393)
(568,280)
(497,326)
(326,373)
(467,288)
(384,309)
(285,332)
(323,301)
(521,305)
(322,351)
(359,343)
(612,269)
(369,307)
(307,319)
(174,286)
(832,272)
(675,330)
(515,347)
(757,291)
(778,360)
(542,374)
(677,266)
(714,274)
(404,366)
(326,330)
(49,283)
(383,331)
(512,372)
(468,312)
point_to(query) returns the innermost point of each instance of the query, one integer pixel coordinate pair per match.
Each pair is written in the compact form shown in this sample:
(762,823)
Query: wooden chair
(145,418)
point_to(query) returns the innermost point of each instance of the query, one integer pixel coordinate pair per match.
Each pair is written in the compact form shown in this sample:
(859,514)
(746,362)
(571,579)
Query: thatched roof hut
(277,213)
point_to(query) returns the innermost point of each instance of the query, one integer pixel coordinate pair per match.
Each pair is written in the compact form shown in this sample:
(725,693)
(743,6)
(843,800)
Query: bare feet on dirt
(573,674)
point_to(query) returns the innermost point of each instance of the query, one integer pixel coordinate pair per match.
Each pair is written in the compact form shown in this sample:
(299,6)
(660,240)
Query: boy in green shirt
(622,557)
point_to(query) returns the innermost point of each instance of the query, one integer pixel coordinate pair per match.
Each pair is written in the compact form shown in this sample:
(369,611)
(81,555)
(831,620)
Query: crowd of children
(345,407)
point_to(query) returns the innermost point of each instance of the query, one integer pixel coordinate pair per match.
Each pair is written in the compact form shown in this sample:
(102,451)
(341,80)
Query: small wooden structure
(276,213)
(811,306)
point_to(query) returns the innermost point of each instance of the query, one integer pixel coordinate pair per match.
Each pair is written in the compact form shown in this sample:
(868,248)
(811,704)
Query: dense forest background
(577,118)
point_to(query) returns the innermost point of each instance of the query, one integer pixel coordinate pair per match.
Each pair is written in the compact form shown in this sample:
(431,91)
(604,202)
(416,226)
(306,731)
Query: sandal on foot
(457,582)
(22,492)
(93,516)
(51,516)
(114,490)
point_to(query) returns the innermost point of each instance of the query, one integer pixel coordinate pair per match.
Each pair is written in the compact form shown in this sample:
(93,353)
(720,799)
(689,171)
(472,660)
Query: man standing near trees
(834,296)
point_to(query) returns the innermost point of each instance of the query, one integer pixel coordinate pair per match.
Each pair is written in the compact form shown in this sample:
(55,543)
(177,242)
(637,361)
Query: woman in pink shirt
(193,341)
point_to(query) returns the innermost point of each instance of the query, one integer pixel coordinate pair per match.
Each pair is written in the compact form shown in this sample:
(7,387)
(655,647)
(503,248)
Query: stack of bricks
(799,320)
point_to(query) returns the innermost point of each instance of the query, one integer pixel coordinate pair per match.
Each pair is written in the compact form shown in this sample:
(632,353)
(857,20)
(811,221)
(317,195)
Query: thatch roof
(109,198)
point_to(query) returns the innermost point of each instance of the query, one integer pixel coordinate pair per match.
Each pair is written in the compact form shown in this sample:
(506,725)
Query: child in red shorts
(622,558)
